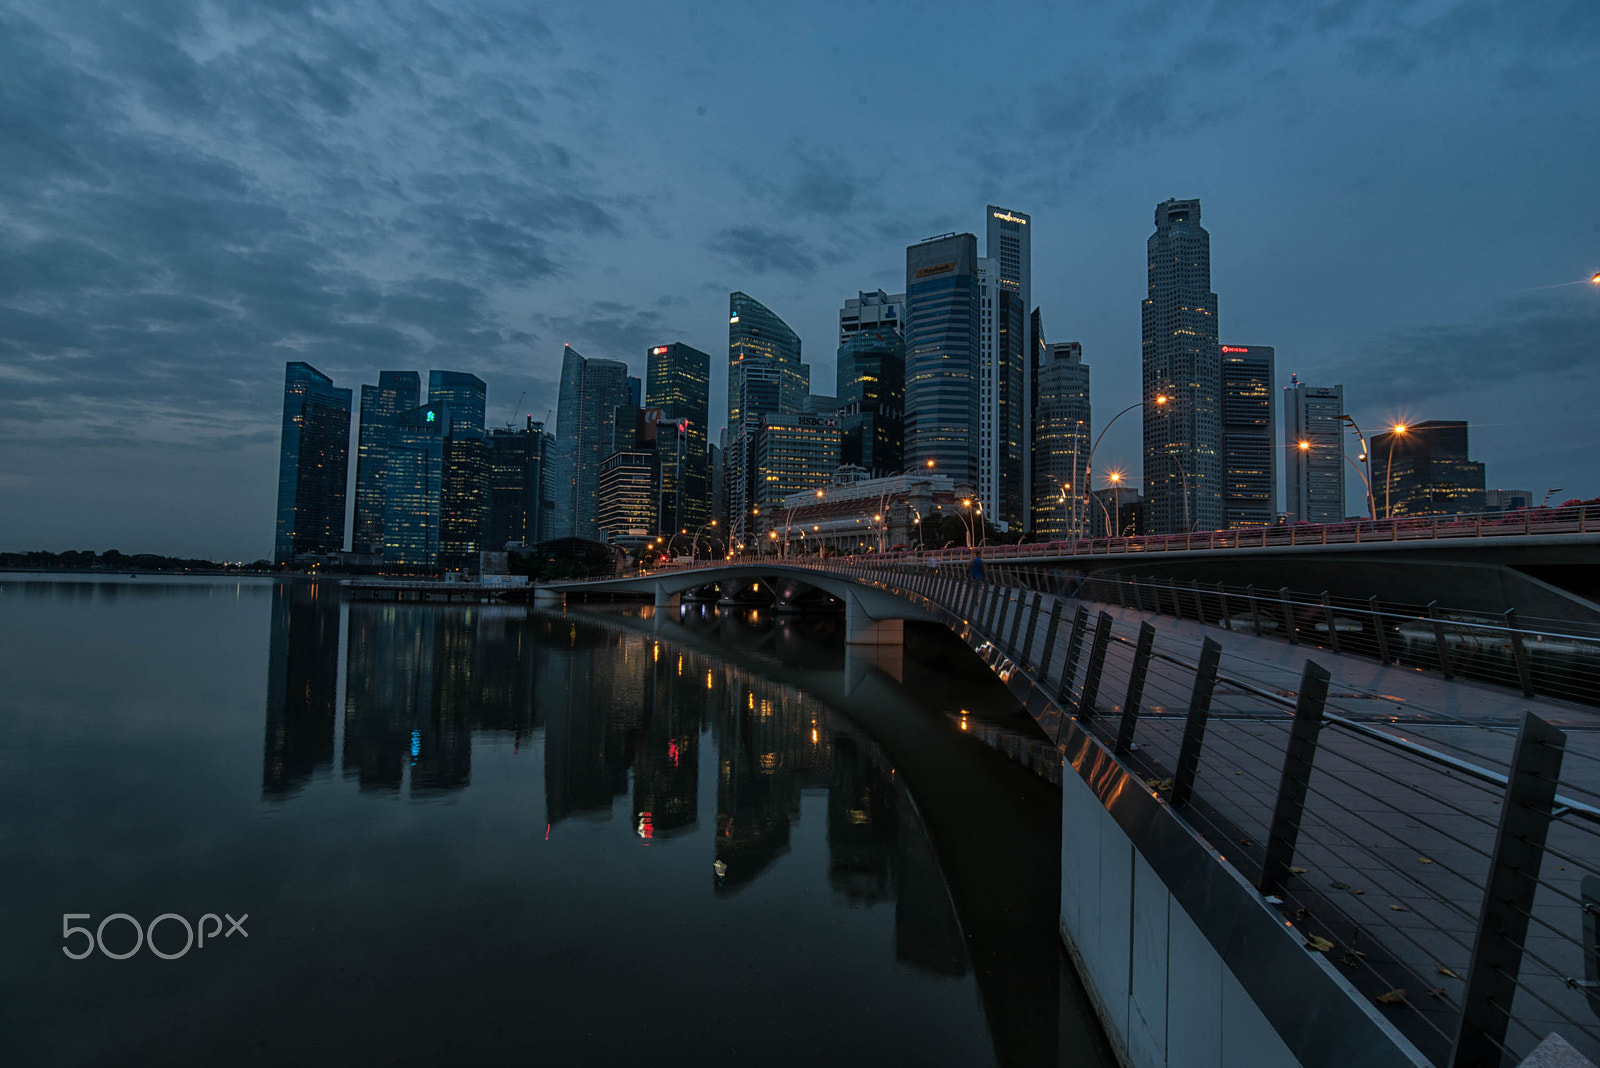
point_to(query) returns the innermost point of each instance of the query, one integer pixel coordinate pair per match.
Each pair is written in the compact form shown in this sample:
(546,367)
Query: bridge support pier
(862,629)
(667,600)
(549,598)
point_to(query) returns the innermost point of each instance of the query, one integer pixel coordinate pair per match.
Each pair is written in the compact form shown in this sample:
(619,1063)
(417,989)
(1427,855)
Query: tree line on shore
(115,560)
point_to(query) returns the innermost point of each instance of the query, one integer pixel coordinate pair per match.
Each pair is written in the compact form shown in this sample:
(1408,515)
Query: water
(463,835)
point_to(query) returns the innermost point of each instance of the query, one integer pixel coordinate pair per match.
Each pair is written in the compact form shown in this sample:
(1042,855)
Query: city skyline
(164,267)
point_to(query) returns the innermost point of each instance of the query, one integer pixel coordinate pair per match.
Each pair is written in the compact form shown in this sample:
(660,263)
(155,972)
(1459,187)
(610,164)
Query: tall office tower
(462,394)
(716,464)
(872,311)
(872,397)
(1183,436)
(1249,438)
(626,510)
(413,489)
(943,330)
(1313,444)
(1424,470)
(313,461)
(818,404)
(1006,384)
(586,415)
(761,394)
(517,477)
(463,499)
(755,333)
(1061,425)
(678,383)
(793,453)
(381,404)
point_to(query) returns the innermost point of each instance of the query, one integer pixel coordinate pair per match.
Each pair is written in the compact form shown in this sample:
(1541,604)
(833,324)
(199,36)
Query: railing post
(1296,778)
(1097,664)
(1327,613)
(1380,629)
(1194,729)
(1438,640)
(1288,615)
(1122,593)
(992,609)
(1136,677)
(1222,598)
(1519,653)
(1199,606)
(1508,898)
(1050,640)
(1069,670)
(1016,626)
(1033,623)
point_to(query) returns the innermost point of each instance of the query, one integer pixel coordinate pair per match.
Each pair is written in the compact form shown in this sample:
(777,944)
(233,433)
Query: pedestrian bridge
(1273,852)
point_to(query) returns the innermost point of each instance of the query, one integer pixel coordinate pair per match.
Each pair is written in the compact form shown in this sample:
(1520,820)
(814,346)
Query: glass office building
(678,387)
(871,399)
(518,484)
(586,432)
(1429,474)
(313,462)
(942,354)
(414,490)
(1061,443)
(381,405)
(754,332)
(1249,437)
(1314,476)
(463,395)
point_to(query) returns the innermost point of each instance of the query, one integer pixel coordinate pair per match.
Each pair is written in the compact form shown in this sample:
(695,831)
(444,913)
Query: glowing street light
(1399,430)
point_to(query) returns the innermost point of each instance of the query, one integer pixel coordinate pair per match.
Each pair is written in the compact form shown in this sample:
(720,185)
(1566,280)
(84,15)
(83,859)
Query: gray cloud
(762,251)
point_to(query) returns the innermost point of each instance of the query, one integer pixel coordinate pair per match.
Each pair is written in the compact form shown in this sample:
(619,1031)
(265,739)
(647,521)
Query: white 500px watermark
(146,936)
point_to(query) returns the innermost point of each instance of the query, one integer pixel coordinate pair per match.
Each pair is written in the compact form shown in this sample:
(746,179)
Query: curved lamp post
(1366,455)
(1088,468)
(1306,445)
(1388,468)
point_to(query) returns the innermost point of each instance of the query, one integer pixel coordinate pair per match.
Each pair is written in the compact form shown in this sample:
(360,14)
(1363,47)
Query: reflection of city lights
(719,867)
(708,680)
(655,653)
(647,826)
(813,736)
(673,752)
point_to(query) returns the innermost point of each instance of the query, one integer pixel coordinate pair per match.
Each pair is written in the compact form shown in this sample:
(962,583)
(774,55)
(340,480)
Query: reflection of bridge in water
(952,837)
(1301,854)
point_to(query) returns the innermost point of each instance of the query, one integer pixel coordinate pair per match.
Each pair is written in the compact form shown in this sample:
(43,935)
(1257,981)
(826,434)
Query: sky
(1401,196)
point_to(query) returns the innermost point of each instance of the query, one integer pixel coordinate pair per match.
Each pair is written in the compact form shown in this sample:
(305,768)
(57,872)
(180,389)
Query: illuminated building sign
(430,417)
(733,318)
(938,268)
(654,415)
(1234,348)
(659,349)
(1006,216)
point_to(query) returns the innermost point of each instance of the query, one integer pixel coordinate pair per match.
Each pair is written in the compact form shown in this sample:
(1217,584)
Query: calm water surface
(466,835)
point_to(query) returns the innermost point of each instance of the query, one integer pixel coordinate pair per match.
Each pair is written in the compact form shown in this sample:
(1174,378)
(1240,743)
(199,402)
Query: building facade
(519,490)
(1183,434)
(462,394)
(313,464)
(678,388)
(943,328)
(1249,437)
(592,390)
(381,405)
(871,397)
(1424,471)
(1005,377)
(463,498)
(1061,442)
(628,494)
(1313,445)
(413,485)
(794,453)
(754,332)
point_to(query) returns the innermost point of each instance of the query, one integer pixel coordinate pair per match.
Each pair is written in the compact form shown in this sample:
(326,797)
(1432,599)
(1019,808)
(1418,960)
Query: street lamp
(1366,457)
(1388,468)
(1304,445)
(1159,401)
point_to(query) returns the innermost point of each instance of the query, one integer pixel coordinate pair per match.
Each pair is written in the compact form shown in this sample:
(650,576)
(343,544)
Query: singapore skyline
(1342,251)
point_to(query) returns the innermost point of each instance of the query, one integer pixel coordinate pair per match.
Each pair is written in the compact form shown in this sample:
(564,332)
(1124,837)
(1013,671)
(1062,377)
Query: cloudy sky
(192,193)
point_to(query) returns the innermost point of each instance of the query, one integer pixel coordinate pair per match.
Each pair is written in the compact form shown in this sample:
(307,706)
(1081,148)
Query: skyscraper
(1061,440)
(1249,441)
(313,462)
(678,384)
(1429,473)
(1183,436)
(462,394)
(586,417)
(626,510)
(871,393)
(381,405)
(1313,443)
(413,489)
(518,484)
(942,354)
(761,387)
(754,332)
(872,311)
(793,453)
(463,498)
(1005,384)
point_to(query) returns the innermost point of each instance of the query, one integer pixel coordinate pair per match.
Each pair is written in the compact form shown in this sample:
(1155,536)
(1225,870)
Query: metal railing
(1452,874)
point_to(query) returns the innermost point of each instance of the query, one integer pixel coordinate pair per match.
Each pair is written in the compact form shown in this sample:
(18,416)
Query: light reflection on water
(517,832)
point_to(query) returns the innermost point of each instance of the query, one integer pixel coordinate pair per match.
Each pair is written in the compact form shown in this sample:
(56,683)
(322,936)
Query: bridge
(1275,849)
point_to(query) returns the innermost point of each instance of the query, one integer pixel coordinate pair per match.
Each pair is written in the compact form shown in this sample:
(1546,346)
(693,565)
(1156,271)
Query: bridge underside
(872,616)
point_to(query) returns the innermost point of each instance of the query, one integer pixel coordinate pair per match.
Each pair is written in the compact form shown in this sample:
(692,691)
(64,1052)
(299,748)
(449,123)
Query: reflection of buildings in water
(862,823)
(409,696)
(585,756)
(926,932)
(666,751)
(302,685)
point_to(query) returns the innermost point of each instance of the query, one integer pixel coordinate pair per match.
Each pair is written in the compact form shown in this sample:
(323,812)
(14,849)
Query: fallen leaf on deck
(1354,891)
(1318,943)
(1341,886)
(1393,997)
(1299,871)
(1398,908)
(1424,860)
(1446,971)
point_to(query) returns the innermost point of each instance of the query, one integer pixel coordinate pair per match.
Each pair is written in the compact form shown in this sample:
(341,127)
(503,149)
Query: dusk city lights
(876,534)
